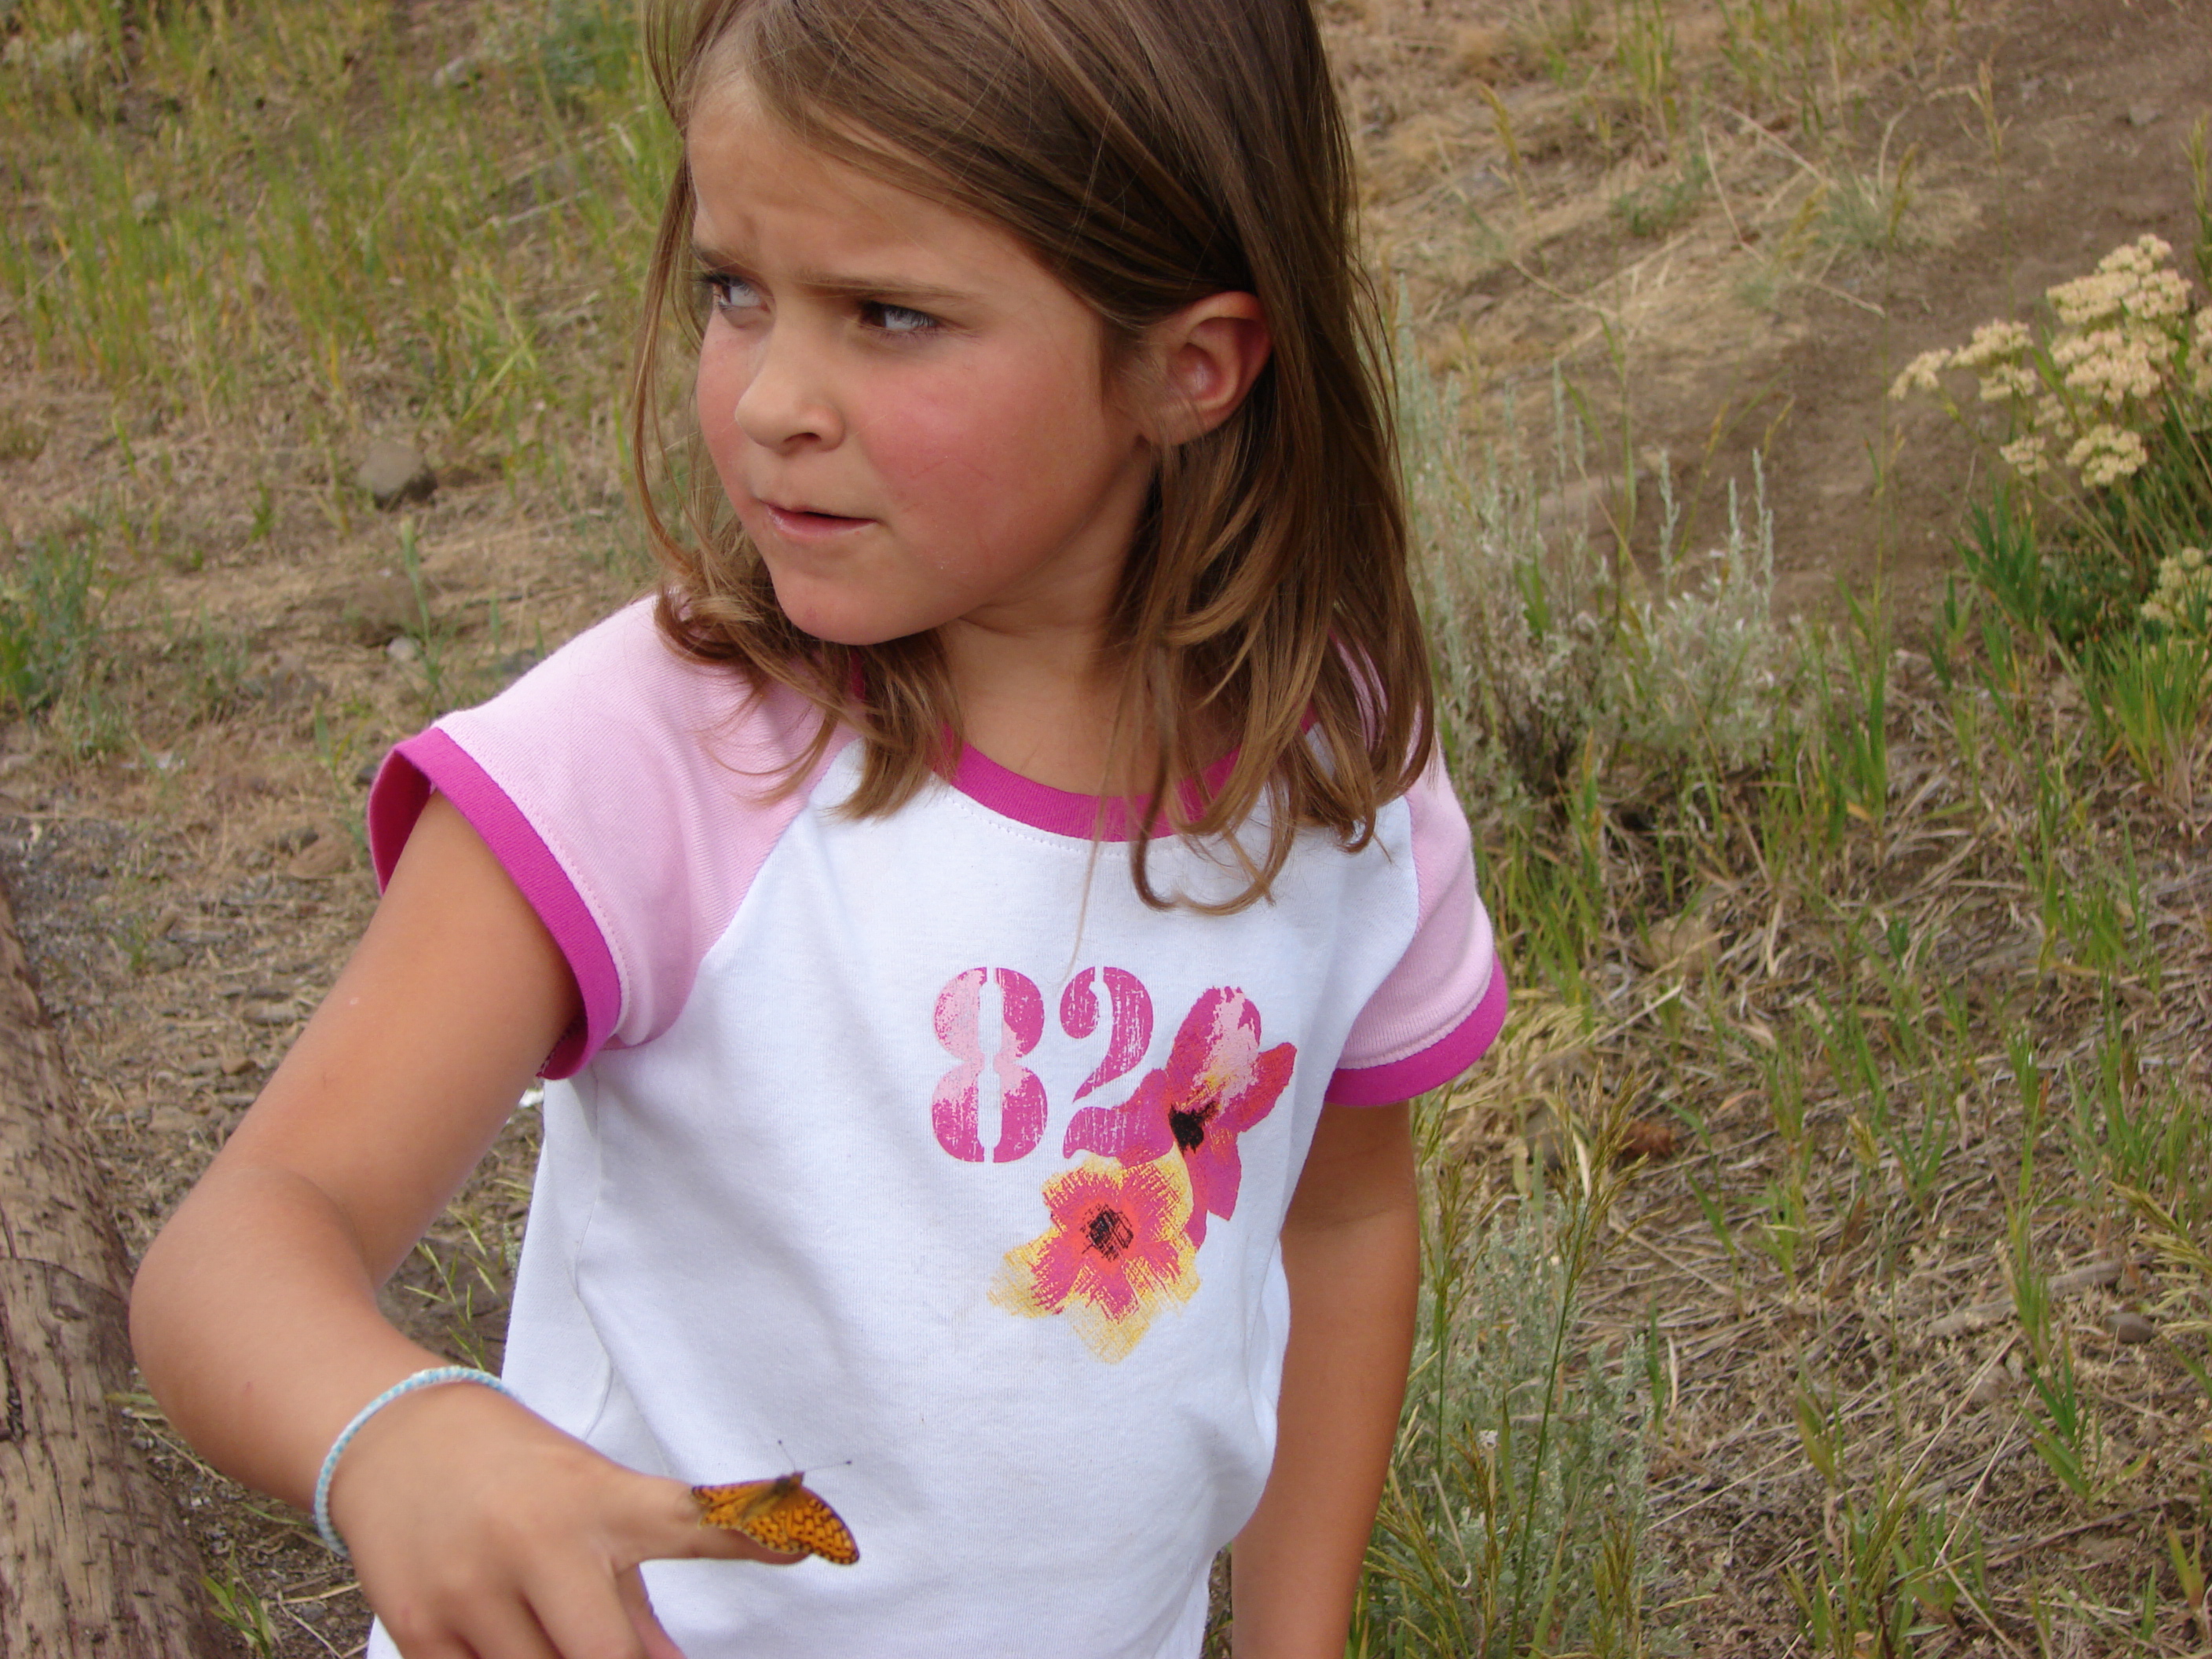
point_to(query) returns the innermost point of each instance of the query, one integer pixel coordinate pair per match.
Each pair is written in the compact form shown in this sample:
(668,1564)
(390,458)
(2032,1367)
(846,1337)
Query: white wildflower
(2007,381)
(1992,344)
(2184,595)
(1920,374)
(2024,455)
(2131,281)
(2105,453)
(2087,300)
(2140,255)
(2112,364)
(2161,294)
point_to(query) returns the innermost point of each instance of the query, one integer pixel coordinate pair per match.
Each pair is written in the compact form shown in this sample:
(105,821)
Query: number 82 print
(954,1108)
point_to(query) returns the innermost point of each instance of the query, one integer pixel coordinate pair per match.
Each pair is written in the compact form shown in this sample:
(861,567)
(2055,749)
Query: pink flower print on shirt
(1218,1083)
(1117,1251)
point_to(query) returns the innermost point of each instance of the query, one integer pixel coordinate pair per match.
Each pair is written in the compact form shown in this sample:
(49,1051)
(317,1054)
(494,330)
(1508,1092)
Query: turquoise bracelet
(425,1379)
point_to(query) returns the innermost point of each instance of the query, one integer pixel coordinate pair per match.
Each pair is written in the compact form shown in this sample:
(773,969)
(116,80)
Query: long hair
(1147,153)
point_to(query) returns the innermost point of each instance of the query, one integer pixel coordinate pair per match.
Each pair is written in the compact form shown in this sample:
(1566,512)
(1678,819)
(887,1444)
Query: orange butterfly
(783,1513)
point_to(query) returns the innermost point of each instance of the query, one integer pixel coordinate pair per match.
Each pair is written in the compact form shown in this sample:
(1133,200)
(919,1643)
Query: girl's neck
(1036,718)
(1043,707)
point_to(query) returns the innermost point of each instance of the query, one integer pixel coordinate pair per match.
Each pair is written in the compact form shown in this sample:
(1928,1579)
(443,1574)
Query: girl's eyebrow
(837,284)
(876,287)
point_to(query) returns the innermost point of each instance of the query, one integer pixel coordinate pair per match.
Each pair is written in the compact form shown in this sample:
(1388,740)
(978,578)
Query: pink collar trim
(1057,811)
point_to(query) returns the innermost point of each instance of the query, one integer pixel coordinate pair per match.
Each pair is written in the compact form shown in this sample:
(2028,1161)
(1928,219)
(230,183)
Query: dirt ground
(187,899)
(1746,327)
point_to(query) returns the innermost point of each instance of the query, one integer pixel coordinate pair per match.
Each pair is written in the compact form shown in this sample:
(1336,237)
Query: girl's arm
(1352,1251)
(475,1525)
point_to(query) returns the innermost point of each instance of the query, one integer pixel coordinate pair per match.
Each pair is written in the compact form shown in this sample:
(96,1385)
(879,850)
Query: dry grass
(1924,1277)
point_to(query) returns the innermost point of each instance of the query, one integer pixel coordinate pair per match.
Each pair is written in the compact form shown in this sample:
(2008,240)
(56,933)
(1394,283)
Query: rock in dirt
(2072,1282)
(512,667)
(1542,1138)
(286,685)
(2127,1327)
(1479,49)
(377,610)
(325,856)
(1990,1386)
(1687,943)
(394,473)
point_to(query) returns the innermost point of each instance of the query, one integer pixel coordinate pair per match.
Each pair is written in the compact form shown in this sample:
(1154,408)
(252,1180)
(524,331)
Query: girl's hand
(480,1531)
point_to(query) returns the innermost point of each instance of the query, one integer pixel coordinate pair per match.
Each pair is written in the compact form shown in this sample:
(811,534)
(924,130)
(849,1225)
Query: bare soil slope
(1768,305)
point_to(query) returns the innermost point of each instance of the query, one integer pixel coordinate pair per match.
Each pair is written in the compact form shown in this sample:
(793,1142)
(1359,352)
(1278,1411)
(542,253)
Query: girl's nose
(786,401)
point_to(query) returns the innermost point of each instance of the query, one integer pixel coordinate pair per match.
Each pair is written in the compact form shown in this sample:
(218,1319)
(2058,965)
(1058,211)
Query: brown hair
(1148,153)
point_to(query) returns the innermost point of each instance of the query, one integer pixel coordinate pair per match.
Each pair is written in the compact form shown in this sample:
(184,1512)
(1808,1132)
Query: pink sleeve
(623,789)
(1442,1005)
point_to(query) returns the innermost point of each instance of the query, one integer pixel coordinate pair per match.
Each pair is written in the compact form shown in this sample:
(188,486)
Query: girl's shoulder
(619,707)
(631,794)
(621,678)
(1440,1007)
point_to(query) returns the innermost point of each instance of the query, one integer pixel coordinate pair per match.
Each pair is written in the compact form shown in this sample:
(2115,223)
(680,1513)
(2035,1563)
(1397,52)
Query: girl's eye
(729,293)
(896,320)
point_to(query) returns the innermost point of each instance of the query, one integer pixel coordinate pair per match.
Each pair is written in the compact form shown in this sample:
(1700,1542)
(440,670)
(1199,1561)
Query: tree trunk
(94,1563)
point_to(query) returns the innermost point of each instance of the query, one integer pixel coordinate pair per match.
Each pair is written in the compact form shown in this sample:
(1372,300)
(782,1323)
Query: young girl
(986,917)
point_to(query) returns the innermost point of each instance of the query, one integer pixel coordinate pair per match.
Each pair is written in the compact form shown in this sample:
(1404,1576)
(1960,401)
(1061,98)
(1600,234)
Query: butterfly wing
(783,1513)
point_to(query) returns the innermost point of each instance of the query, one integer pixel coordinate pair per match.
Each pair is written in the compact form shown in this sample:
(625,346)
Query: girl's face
(910,414)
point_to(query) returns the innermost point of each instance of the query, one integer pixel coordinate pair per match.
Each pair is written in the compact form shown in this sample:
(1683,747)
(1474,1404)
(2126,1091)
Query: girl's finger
(582,1619)
(635,1602)
(491,1631)
(669,1528)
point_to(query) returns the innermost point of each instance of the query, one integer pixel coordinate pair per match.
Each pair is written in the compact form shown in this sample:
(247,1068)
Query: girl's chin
(836,624)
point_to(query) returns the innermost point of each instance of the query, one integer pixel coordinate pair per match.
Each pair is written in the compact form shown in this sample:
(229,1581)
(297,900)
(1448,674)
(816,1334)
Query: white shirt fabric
(917,1153)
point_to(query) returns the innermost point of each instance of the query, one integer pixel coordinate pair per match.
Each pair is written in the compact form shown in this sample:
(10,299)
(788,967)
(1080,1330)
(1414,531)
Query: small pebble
(393,473)
(2133,1328)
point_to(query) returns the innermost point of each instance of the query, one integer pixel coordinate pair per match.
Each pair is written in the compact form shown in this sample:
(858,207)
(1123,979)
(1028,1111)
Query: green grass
(278,211)
(1944,871)
(1655,209)
(51,596)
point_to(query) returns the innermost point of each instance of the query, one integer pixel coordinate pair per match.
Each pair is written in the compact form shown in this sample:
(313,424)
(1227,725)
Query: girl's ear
(1202,362)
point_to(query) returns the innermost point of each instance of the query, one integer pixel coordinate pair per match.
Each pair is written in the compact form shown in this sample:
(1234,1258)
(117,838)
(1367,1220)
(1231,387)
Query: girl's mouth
(801,524)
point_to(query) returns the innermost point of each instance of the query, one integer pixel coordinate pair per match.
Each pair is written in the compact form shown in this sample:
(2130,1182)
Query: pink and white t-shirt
(917,1151)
